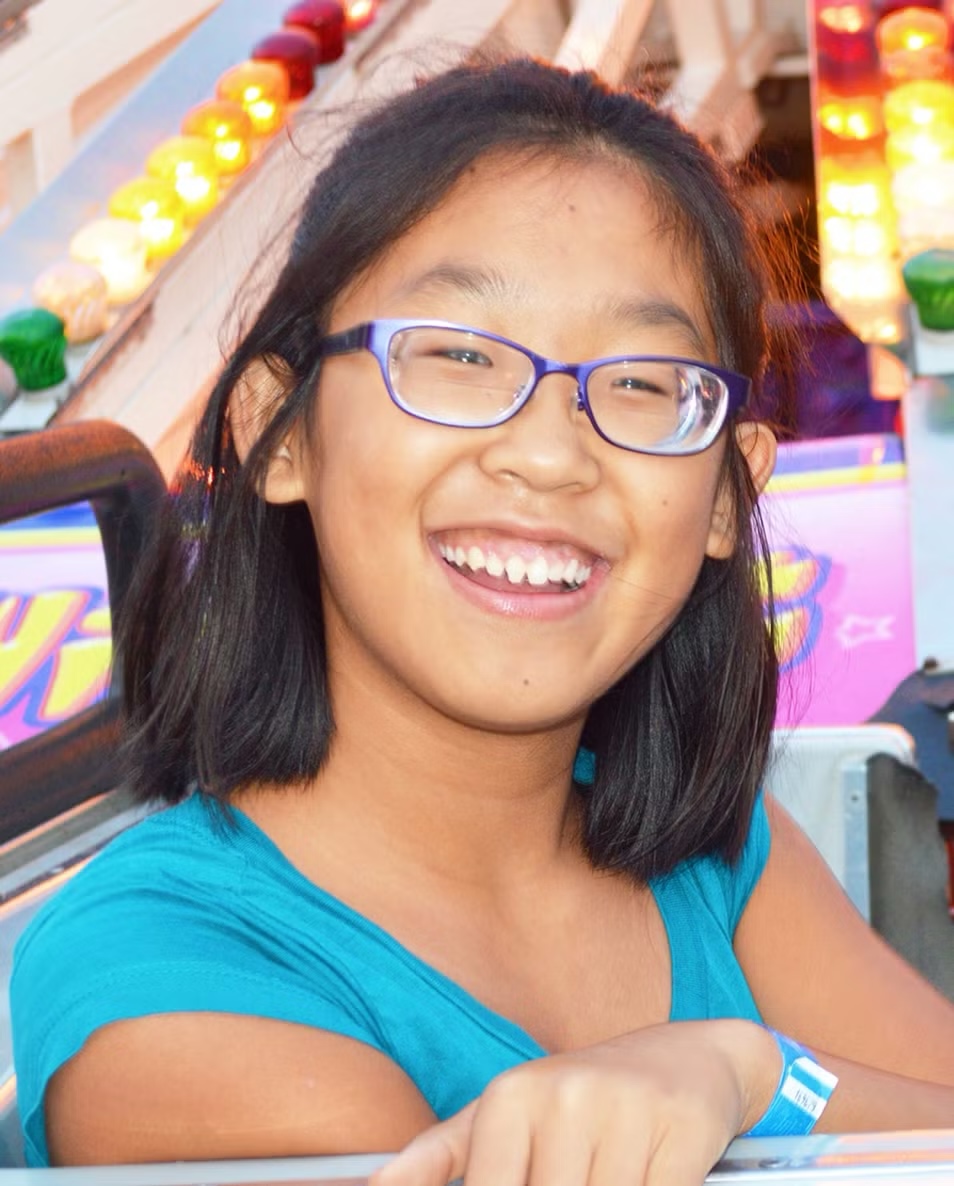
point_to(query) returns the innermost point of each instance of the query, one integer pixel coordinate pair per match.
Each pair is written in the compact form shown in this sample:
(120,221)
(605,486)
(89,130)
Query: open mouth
(529,568)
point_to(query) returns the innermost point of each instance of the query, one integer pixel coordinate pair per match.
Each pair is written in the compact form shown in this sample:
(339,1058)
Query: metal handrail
(102,463)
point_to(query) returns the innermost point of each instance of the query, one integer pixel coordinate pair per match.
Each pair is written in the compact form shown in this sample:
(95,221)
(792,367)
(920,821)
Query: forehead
(524,231)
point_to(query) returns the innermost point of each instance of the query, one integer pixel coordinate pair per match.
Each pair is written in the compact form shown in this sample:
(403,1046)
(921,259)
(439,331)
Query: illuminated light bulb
(298,52)
(924,198)
(261,89)
(117,249)
(856,118)
(227,128)
(919,146)
(919,104)
(856,236)
(153,204)
(883,8)
(854,190)
(843,18)
(359,14)
(869,280)
(324,18)
(77,293)
(924,185)
(912,44)
(845,44)
(188,162)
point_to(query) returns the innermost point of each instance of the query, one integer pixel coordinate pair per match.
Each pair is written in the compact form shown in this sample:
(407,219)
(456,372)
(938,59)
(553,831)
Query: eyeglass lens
(460,377)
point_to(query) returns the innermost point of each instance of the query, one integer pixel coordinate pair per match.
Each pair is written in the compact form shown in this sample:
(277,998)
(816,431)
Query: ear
(758,446)
(254,398)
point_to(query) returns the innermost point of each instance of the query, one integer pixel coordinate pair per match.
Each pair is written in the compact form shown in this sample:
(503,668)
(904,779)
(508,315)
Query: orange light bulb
(912,44)
(227,128)
(261,89)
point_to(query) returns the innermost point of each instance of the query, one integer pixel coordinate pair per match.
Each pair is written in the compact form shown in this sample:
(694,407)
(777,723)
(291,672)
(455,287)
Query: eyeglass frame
(376,336)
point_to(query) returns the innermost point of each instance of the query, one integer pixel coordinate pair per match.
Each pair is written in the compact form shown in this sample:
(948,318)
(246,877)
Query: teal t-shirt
(183,914)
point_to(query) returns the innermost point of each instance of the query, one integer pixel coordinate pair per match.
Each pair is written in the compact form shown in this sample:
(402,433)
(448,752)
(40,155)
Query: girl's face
(570,260)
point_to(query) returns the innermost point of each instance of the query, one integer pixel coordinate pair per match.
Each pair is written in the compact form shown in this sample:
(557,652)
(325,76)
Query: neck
(403,783)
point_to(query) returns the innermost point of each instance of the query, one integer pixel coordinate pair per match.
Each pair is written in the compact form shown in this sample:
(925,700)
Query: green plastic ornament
(33,342)
(929,279)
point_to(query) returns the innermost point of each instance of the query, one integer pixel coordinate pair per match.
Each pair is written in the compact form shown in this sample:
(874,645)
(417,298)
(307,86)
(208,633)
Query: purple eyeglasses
(465,378)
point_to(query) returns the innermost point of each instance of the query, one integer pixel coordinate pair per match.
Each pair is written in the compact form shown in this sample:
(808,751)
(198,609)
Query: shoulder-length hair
(223,647)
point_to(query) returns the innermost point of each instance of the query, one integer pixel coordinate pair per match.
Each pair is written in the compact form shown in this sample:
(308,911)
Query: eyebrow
(643,312)
(481,283)
(486,284)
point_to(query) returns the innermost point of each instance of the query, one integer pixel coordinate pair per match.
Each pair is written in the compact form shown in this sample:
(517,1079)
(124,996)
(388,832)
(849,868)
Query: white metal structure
(58,54)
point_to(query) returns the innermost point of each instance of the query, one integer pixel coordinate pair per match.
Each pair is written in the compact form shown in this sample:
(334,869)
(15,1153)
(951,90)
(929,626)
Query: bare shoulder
(212,1085)
(818,971)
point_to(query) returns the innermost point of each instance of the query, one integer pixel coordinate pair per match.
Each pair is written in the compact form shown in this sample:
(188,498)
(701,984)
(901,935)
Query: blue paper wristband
(804,1088)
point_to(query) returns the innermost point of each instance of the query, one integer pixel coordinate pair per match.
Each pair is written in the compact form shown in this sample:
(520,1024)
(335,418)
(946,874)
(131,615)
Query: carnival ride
(858,523)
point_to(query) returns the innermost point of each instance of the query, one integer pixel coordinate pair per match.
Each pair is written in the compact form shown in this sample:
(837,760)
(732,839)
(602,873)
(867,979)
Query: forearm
(870,1100)
(865,1100)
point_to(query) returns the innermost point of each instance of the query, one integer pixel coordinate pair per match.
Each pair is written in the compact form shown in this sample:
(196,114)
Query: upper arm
(188,1086)
(819,972)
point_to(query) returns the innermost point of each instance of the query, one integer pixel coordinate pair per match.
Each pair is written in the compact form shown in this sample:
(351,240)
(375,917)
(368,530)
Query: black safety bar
(102,463)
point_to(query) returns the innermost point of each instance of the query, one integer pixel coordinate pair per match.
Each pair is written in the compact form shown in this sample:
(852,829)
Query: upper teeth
(539,571)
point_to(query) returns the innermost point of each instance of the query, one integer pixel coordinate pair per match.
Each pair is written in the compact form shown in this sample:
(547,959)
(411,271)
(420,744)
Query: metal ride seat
(857,792)
(59,794)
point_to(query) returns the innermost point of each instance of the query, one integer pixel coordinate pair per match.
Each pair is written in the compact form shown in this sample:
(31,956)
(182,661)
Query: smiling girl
(451,660)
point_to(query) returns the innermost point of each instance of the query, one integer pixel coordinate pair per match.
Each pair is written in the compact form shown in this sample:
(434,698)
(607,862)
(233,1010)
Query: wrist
(757,1062)
(803,1091)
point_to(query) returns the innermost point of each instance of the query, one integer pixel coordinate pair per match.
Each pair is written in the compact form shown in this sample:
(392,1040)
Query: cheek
(672,503)
(669,525)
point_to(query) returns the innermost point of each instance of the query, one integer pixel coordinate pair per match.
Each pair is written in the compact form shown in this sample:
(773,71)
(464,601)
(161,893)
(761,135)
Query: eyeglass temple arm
(347,342)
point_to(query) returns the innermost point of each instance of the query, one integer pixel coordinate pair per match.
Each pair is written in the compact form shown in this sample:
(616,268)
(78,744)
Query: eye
(470,357)
(639,383)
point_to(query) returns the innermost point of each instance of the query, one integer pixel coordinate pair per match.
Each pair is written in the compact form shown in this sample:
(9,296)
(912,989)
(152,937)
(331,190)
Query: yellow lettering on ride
(32,629)
(80,675)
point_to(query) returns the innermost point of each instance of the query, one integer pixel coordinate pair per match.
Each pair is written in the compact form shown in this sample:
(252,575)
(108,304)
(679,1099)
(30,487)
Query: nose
(549,444)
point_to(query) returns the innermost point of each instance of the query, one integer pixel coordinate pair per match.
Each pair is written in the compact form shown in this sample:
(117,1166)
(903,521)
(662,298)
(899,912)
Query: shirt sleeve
(107,949)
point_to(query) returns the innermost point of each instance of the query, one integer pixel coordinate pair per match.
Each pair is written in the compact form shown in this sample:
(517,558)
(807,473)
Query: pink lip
(524,601)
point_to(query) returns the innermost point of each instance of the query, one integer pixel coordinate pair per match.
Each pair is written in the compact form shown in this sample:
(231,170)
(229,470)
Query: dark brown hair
(223,654)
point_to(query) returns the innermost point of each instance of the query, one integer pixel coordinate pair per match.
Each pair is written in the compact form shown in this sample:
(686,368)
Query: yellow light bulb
(855,118)
(919,146)
(919,104)
(188,162)
(153,204)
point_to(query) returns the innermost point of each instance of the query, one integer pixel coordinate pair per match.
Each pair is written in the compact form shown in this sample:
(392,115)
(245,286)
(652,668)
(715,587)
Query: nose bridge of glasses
(550,366)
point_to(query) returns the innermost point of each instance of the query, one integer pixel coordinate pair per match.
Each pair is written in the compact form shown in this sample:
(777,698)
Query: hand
(656,1108)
